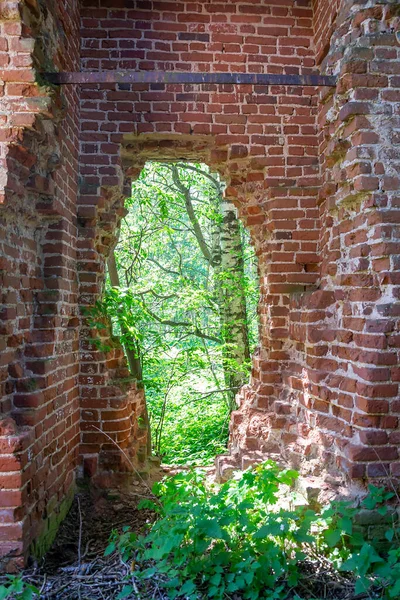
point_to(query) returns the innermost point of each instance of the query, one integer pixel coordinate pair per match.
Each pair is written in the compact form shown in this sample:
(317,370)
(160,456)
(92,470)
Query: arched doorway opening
(182,293)
(265,413)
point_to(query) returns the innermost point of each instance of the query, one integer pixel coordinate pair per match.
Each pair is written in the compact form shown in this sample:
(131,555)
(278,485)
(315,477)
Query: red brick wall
(314,174)
(39,430)
(359,242)
(344,335)
(325,14)
(309,395)
(263,141)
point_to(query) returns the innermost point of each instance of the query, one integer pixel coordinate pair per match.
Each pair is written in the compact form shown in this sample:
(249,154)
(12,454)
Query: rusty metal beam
(178,77)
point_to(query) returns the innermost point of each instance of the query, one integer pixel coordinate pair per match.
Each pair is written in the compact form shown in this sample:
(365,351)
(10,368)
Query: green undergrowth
(250,539)
(195,428)
(17,588)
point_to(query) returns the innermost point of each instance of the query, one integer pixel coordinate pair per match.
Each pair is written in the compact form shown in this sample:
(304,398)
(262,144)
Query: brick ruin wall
(39,135)
(314,173)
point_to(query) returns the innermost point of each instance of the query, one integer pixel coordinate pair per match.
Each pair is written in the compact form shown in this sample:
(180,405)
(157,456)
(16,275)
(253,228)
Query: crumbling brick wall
(39,429)
(359,237)
(314,173)
(341,380)
(261,139)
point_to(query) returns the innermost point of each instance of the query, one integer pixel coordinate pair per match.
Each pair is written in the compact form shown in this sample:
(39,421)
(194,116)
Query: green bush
(17,588)
(239,539)
(194,431)
(212,541)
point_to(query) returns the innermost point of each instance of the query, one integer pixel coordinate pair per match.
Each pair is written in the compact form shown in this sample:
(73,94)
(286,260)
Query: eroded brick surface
(314,173)
(39,342)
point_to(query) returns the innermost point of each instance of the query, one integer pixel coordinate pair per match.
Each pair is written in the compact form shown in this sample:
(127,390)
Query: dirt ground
(75,567)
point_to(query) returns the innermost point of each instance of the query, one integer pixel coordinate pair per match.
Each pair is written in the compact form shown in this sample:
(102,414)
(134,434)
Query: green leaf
(173,583)
(357,539)
(188,587)
(383,571)
(126,591)
(251,595)
(350,565)
(332,537)
(216,579)
(147,573)
(248,577)
(370,502)
(389,495)
(211,528)
(263,532)
(394,591)
(362,585)
(346,525)
(240,583)
(389,534)
(110,549)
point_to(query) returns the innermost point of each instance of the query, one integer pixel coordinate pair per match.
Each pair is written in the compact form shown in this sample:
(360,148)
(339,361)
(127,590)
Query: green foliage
(370,567)
(196,429)
(16,588)
(377,496)
(166,310)
(242,539)
(212,541)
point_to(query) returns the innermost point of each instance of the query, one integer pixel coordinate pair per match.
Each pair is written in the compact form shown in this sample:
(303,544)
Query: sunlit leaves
(236,540)
(217,540)
(168,308)
(18,589)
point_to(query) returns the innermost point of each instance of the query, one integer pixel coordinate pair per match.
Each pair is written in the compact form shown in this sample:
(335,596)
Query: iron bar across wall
(178,77)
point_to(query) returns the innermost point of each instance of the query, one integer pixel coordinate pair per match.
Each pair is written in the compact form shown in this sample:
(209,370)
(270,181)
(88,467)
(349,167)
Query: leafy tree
(182,295)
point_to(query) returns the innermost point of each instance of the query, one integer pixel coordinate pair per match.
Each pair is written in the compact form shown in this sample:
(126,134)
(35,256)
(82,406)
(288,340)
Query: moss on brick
(43,542)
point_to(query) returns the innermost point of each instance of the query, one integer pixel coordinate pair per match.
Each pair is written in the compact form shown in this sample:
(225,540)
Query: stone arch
(265,411)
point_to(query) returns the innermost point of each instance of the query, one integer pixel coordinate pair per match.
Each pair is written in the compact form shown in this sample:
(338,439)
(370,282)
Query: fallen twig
(154,497)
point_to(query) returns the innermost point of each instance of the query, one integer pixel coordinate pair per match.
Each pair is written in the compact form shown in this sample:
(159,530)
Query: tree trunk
(133,356)
(233,301)
(226,258)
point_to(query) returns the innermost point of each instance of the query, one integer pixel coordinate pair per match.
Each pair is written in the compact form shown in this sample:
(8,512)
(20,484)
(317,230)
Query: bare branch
(207,394)
(195,330)
(160,266)
(190,167)
(191,213)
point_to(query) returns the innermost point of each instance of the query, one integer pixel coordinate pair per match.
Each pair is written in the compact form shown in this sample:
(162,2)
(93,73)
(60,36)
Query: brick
(354,108)
(362,454)
(374,438)
(313,177)
(372,406)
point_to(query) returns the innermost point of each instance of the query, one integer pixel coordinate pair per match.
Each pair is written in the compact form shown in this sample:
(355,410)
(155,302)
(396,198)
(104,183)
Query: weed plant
(237,540)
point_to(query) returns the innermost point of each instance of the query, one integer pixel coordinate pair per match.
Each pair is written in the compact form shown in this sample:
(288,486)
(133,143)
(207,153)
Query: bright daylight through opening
(182,294)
